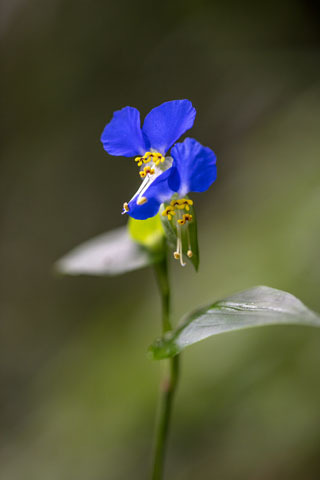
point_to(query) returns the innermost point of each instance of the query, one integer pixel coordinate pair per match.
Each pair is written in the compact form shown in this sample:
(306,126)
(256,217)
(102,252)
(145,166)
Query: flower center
(154,157)
(148,173)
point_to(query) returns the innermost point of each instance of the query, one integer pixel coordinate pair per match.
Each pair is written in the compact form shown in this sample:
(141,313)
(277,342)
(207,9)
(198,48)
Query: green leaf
(256,307)
(170,228)
(111,253)
(148,233)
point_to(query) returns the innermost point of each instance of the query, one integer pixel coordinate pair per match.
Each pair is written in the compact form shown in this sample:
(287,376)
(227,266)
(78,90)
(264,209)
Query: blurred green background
(77,390)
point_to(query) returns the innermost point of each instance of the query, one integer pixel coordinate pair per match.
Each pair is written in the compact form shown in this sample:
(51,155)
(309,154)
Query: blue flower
(189,168)
(193,169)
(162,127)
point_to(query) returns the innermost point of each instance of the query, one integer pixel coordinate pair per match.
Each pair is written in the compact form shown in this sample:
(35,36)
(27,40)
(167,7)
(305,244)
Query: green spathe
(148,233)
(189,235)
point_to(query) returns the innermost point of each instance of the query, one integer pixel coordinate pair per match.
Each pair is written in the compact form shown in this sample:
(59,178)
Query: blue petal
(123,136)
(165,124)
(158,192)
(142,212)
(193,168)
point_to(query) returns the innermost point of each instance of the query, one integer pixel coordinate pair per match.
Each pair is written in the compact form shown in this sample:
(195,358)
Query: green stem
(170,382)
(164,416)
(161,269)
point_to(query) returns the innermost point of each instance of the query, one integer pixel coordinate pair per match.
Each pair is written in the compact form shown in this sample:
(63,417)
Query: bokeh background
(77,391)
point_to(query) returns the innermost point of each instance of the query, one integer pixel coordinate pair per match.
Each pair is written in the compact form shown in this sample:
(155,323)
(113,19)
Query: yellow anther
(143,173)
(178,204)
(175,203)
(147,157)
(158,158)
(169,212)
(182,203)
(187,204)
(176,255)
(185,218)
(139,161)
(142,200)
(126,207)
(189,253)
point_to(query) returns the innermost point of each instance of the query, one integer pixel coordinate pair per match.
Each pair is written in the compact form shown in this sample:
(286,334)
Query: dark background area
(77,391)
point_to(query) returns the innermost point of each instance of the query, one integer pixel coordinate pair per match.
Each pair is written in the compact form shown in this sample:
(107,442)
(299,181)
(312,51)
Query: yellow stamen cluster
(150,156)
(185,218)
(182,204)
(143,173)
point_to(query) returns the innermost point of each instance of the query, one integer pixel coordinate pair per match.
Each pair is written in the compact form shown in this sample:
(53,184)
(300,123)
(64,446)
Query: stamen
(182,263)
(185,218)
(188,204)
(182,203)
(142,200)
(189,252)
(169,212)
(147,170)
(158,157)
(177,204)
(139,195)
(147,157)
(179,243)
(177,252)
